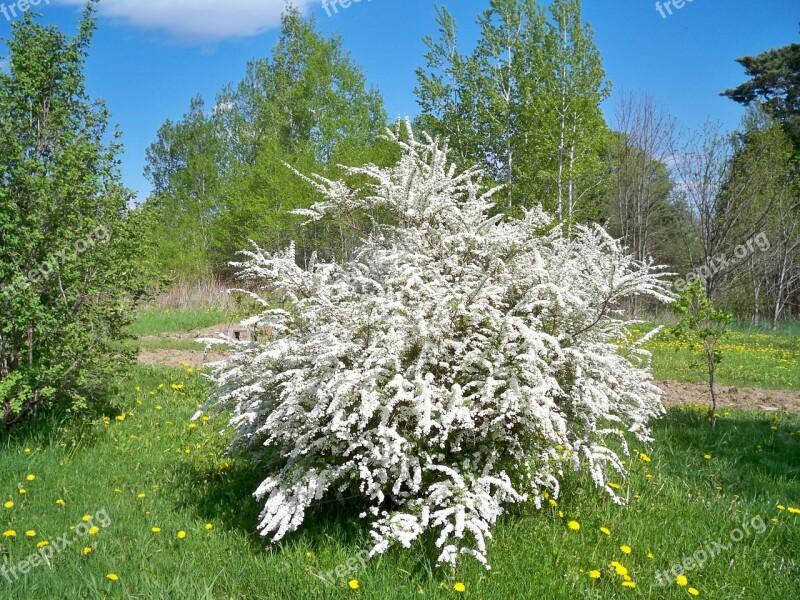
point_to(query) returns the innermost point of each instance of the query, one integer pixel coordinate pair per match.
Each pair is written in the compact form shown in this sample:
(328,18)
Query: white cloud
(198,21)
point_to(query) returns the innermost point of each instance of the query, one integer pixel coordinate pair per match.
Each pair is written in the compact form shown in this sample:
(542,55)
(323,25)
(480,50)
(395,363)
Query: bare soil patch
(731,397)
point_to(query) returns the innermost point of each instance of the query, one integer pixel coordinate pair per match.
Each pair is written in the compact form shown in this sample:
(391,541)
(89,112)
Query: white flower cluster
(458,362)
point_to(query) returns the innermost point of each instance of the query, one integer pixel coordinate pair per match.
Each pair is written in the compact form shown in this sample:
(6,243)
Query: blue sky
(150,57)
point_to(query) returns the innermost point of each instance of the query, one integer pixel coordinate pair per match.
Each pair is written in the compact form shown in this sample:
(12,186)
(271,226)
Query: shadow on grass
(748,448)
(226,497)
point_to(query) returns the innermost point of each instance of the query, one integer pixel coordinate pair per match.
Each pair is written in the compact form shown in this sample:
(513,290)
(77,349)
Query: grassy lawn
(143,467)
(749,359)
(722,497)
(154,322)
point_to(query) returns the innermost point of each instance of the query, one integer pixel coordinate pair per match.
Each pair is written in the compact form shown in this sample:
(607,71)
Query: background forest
(523,103)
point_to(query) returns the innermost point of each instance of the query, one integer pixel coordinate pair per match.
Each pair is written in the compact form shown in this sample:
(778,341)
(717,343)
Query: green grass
(169,344)
(750,358)
(154,322)
(95,464)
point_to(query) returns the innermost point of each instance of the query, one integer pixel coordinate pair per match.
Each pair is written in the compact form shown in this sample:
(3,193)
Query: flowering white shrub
(459,361)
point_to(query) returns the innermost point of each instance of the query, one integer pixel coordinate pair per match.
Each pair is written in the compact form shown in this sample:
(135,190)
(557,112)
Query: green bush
(69,243)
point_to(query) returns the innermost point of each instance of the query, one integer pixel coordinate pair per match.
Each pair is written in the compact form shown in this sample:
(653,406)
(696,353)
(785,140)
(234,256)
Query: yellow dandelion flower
(620,570)
(650,555)
(9,533)
(707,456)
(353,583)
(625,549)
(794,511)
(209,526)
(309,555)
(120,418)
(644,457)
(27,451)
(86,550)
(86,518)
(192,425)
(30,477)
(594,574)
(93,530)
(60,502)
(574,525)
(23,491)
(693,591)
(30,533)
(8,504)
(42,544)
(111,577)
(552,502)
(460,587)
(605,530)
(628,584)
(648,476)
(681,580)
(615,486)
(181,534)
(140,496)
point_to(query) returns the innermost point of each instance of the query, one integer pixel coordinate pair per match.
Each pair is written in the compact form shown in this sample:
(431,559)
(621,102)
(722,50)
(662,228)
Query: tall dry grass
(199,295)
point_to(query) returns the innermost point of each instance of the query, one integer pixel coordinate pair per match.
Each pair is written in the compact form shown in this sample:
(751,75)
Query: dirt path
(674,392)
(194,358)
(178,358)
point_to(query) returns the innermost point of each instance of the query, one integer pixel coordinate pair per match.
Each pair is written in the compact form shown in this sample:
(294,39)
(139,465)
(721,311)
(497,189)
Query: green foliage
(221,177)
(69,244)
(524,104)
(703,329)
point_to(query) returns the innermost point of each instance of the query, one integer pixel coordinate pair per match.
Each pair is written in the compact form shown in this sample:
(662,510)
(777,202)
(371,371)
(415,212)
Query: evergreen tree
(775,83)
